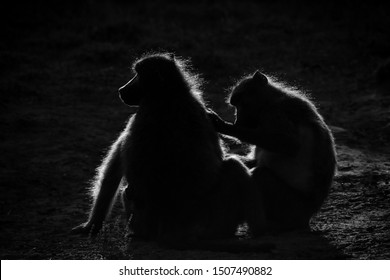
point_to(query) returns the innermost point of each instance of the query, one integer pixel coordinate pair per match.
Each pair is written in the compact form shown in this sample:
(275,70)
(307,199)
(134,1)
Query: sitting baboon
(180,187)
(295,154)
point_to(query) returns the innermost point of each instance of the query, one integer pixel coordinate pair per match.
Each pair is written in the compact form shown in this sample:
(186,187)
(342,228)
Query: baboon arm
(106,185)
(278,142)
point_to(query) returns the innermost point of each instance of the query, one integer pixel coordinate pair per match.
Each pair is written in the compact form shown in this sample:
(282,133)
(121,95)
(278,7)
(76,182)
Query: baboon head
(248,89)
(247,96)
(153,74)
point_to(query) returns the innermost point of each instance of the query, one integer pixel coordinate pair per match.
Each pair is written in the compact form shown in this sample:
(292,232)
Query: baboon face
(130,93)
(247,96)
(153,74)
(249,90)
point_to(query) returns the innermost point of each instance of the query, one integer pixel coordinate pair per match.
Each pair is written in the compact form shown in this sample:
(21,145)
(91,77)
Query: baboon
(294,156)
(181,188)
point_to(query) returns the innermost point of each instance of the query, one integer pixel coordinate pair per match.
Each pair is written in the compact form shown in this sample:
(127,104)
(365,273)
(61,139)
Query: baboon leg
(255,211)
(104,191)
(128,202)
(141,224)
(230,200)
(285,208)
(214,224)
(141,221)
(229,206)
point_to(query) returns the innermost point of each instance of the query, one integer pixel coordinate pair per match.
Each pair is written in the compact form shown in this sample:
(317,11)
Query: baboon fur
(180,186)
(295,157)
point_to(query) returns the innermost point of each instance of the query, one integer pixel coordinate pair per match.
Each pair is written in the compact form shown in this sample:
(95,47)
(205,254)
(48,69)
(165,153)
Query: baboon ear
(260,77)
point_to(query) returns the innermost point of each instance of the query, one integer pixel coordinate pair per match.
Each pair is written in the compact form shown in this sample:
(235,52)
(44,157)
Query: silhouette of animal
(181,189)
(295,155)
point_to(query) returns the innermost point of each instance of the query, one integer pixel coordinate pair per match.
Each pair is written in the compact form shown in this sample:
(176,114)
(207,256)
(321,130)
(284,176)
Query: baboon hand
(218,123)
(87,228)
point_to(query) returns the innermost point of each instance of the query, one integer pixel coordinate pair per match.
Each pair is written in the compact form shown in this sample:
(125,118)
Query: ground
(60,69)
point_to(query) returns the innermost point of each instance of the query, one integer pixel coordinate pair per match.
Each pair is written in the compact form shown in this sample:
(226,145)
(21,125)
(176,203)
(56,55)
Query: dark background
(62,62)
